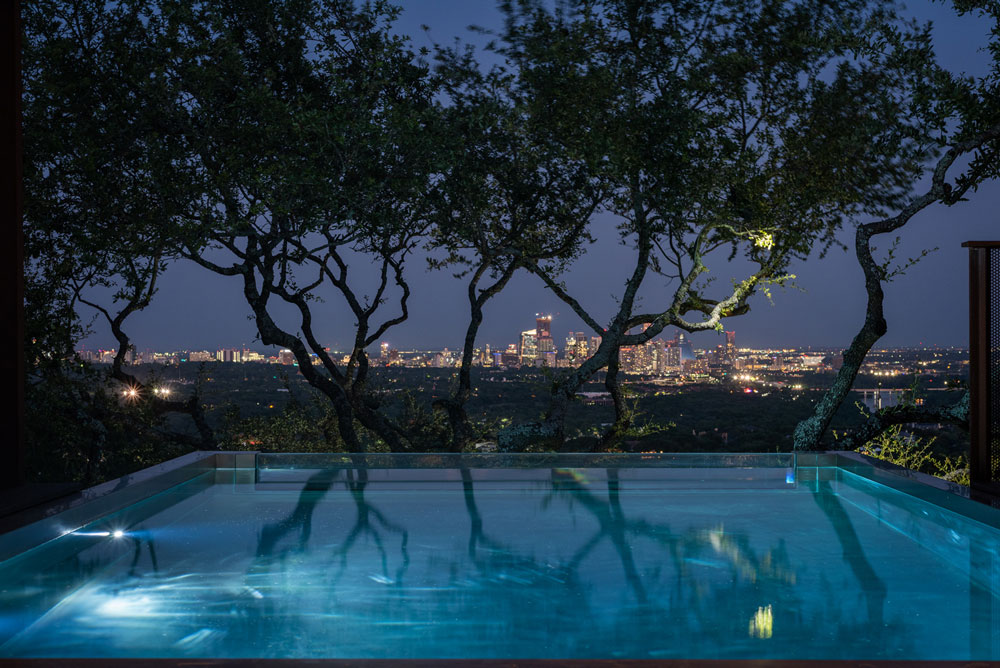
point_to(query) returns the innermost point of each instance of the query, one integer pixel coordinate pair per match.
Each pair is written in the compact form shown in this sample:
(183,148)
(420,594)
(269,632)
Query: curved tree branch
(809,432)
(881,421)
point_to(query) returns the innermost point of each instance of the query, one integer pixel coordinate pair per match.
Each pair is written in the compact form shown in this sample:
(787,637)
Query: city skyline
(577,341)
(753,337)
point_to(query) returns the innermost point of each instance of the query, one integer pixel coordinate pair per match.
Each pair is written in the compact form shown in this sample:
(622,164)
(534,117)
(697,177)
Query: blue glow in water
(578,563)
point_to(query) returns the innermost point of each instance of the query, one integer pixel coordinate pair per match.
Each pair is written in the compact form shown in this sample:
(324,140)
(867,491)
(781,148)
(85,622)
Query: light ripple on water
(200,637)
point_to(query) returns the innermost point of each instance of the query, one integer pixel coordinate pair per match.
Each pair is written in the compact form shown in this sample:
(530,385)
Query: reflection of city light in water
(762,623)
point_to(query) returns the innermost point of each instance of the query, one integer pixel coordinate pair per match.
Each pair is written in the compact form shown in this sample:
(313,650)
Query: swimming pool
(503,556)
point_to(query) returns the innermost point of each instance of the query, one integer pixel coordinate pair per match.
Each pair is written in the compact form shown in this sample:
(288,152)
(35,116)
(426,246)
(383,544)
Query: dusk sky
(928,305)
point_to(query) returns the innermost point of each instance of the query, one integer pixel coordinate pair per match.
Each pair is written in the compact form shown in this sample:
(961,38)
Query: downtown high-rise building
(528,347)
(543,325)
(582,352)
(229,355)
(576,348)
(537,347)
(570,351)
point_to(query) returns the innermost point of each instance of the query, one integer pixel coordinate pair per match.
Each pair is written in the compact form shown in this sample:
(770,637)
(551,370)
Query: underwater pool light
(117,533)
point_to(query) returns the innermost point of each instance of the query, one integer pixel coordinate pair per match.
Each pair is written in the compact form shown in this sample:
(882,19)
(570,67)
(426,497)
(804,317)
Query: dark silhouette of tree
(286,144)
(509,196)
(104,182)
(963,118)
(755,130)
(316,153)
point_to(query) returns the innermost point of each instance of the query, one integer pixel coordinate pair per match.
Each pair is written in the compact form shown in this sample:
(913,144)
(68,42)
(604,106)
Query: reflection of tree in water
(142,539)
(716,582)
(872,587)
(704,586)
(717,571)
(300,518)
(612,524)
(512,592)
(665,607)
(840,623)
(369,520)
(276,560)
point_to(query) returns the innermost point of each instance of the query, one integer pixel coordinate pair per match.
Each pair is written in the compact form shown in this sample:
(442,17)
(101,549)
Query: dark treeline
(280,144)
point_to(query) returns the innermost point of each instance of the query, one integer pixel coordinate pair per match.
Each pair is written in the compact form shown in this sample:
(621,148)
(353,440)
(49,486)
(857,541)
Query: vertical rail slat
(984,369)
(12,473)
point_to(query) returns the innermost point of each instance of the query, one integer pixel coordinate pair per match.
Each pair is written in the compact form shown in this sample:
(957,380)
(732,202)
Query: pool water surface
(558,563)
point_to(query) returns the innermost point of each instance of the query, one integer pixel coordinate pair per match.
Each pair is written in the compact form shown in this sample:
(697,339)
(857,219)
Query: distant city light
(670,360)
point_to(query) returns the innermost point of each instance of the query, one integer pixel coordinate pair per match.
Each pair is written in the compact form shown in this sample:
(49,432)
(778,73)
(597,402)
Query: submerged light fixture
(117,533)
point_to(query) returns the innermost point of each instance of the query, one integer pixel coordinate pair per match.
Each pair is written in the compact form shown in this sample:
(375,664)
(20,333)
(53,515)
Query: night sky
(195,309)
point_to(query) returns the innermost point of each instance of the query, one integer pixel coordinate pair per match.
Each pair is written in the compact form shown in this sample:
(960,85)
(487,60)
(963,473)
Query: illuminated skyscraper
(543,325)
(684,345)
(511,357)
(528,350)
(570,351)
(627,359)
(541,348)
(546,351)
(582,352)
(673,357)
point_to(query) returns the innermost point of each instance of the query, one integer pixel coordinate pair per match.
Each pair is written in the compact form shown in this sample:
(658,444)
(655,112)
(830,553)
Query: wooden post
(12,470)
(984,326)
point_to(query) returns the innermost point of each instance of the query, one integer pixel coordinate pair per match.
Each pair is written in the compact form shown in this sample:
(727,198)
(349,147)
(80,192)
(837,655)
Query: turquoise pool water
(582,562)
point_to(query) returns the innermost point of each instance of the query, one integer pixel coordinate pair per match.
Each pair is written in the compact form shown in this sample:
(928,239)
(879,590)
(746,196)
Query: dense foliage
(285,144)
